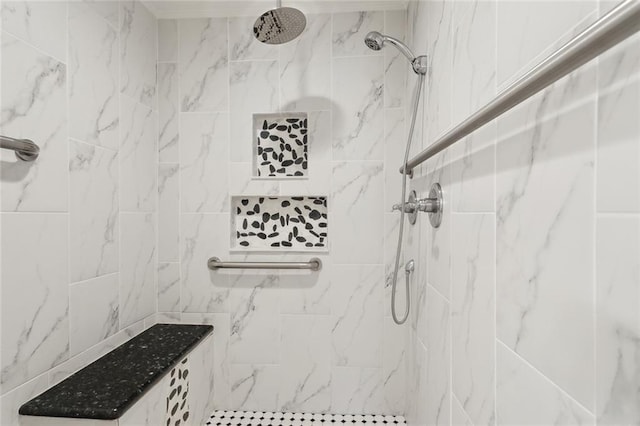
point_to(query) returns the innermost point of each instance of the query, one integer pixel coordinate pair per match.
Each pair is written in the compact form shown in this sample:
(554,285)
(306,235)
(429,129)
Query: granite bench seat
(108,387)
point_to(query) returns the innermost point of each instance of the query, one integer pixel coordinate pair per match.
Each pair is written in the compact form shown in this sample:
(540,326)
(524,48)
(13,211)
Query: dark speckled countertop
(106,388)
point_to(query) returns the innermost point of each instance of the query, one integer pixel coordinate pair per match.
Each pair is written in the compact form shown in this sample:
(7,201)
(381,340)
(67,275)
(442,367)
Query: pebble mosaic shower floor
(259,418)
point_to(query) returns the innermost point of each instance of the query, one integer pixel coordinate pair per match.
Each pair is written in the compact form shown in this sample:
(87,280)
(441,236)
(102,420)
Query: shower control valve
(432,205)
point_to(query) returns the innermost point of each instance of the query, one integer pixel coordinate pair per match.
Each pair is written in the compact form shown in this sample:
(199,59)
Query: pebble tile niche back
(280,145)
(284,223)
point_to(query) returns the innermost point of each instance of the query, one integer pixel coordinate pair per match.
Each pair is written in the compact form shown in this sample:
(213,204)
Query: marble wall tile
(254,387)
(255,322)
(204,162)
(350,29)
(253,88)
(138,53)
(93,312)
(305,68)
(474,73)
(93,211)
(168,287)
(358,112)
(618,151)
(439,270)
(33,106)
(620,64)
(42,24)
(243,46)
(35,300)
(472,315)
(548,24)
(306,387)
(357,315)
(306,293)
(356,390)
(458,415)
(357,197)
(168,213)
(93,78)
(394,149)
(241,181)
(167,40)
(203,81)
(107,9)
(438,367)
(541,278)
(395,64)
(203,236)
(221,373)
(11,401)
(168,127)
(137,266)
(393,366)
(618,319)
(473,172)
(138,157)
(525,397)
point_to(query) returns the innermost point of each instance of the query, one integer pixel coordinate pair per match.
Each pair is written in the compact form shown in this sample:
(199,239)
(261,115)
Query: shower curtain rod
(620,23)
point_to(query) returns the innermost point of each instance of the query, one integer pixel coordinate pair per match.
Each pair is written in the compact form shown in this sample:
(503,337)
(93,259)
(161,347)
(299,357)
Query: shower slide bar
(313,264)
(25,149)
(620,23)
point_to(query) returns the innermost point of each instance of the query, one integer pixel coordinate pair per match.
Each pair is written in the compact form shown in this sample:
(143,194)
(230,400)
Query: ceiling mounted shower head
(279,25)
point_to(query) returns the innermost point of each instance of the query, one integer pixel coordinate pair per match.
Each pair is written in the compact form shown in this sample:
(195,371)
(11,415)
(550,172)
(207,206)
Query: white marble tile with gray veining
(396,66)
(168,287)
(255,320)
(438,365)
(168,213)
(204,65)
(357,199)
(472,315)
(350,29)
(358,111)
(138,157)
(167,40)
(253,88)
(525,397)
(204,163)
(541,253)
(93,78)
(307,385)
(93,312)
(357,390)
(35,296)
(357,315)
(42,24)
(138,52)
(10,402)
(33,105)
(203,236)
(439,270)
(305,67)
(93,211)
(394,369)
(252,386)
(168,115)
(137,266)
(109,10)
(618,320)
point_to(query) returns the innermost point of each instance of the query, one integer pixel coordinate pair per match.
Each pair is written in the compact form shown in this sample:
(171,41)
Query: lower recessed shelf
(283,223)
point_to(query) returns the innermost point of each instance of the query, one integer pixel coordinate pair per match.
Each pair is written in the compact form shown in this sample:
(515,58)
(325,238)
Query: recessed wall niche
(280,145)
(279,223)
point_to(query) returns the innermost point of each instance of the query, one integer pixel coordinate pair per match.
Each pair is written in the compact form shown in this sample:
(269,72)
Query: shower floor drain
(260,418)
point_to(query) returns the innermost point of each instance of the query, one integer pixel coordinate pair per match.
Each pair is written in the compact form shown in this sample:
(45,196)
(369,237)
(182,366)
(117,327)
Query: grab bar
(26,150)
(617,25)
(313,264)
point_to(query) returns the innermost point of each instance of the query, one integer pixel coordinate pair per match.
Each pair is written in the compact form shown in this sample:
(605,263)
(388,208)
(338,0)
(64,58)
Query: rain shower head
(376,41)
(279,25)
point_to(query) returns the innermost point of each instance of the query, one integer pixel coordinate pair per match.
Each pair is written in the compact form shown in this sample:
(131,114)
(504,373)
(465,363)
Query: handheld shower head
(376,41)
